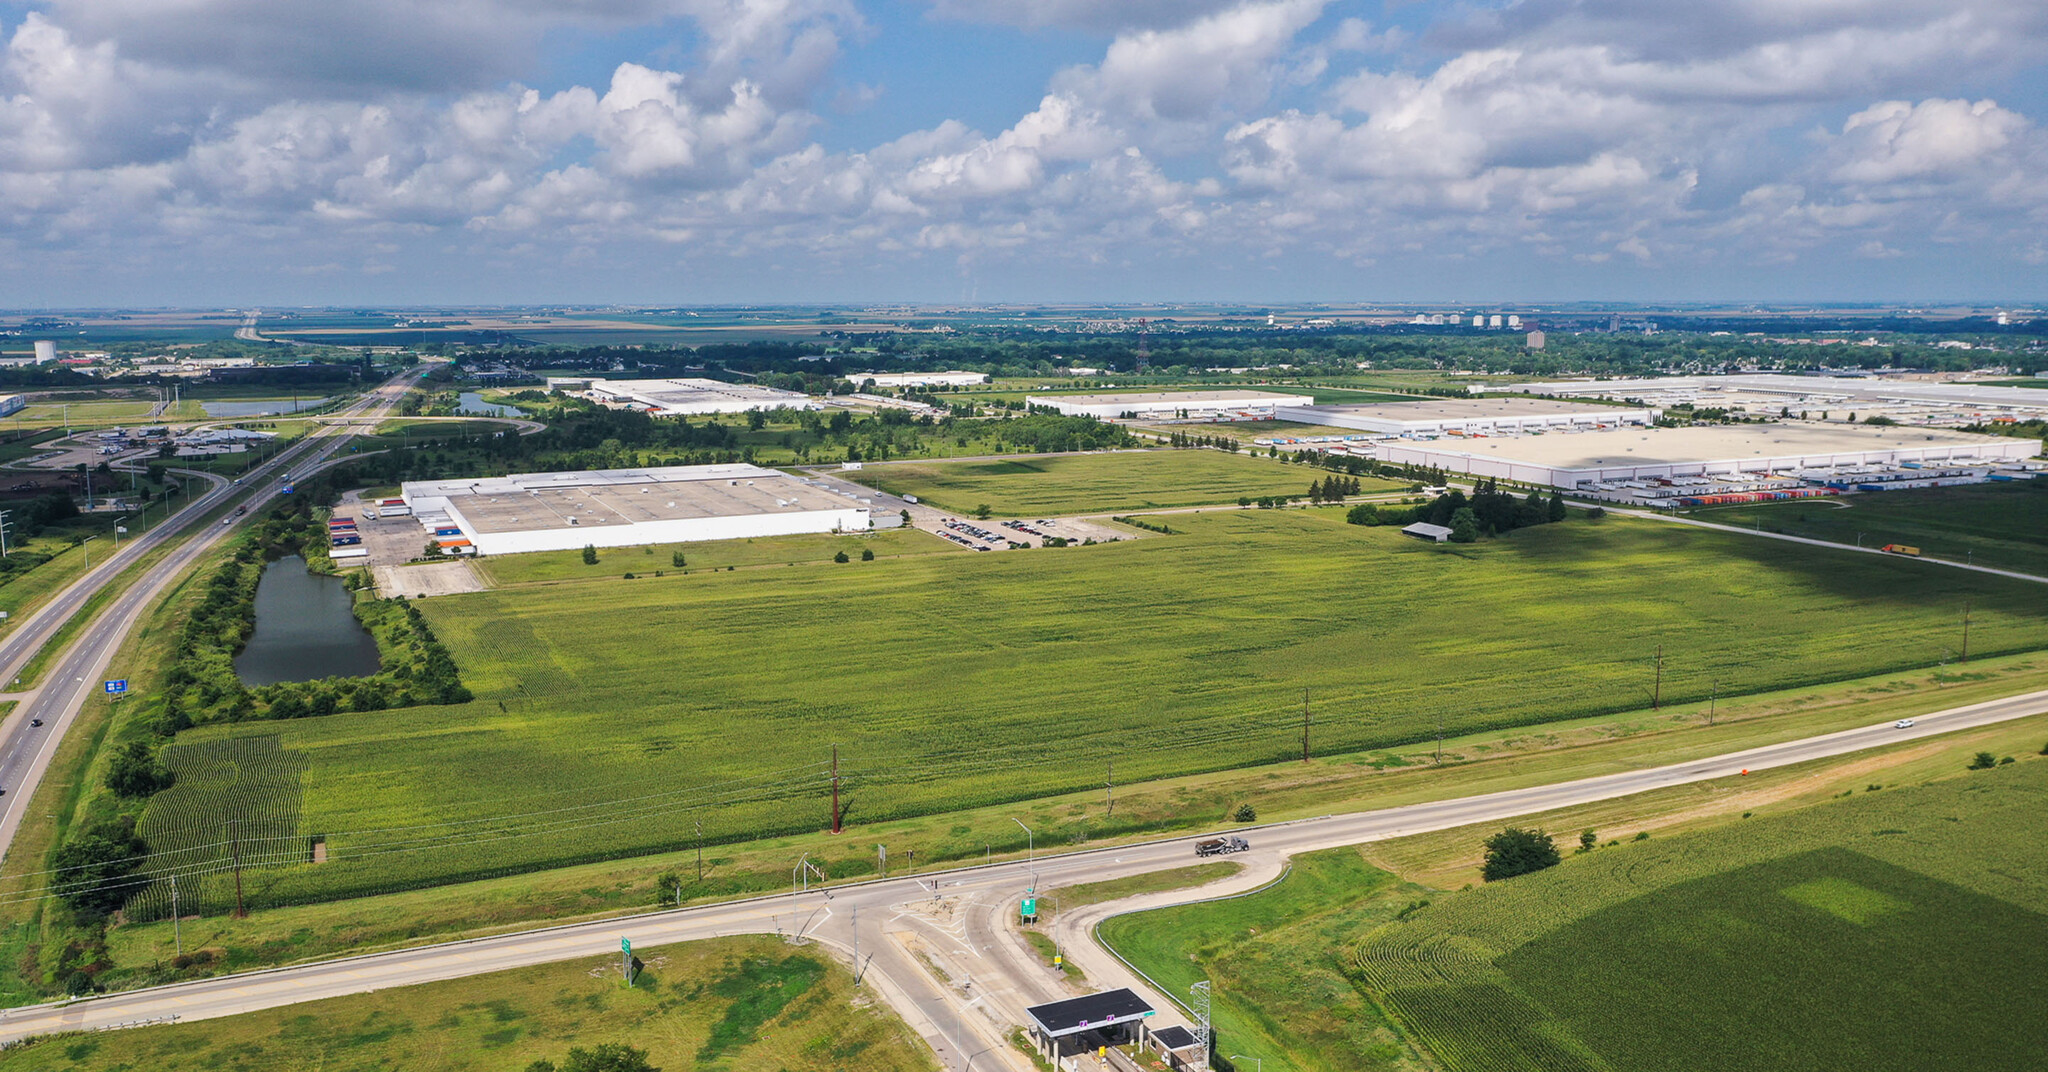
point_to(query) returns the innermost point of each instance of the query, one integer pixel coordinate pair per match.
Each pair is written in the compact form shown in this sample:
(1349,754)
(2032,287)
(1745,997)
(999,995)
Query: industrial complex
(920,379)
(1715,455)
(1617,454)
(1908,401)
(629,507)
(1175,405)
(681,397)
(1466,416)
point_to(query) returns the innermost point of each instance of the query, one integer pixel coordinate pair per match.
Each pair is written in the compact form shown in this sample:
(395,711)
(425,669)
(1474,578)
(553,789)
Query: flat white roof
(1708,443)
(1463,409)
(1191,398)
(530,502)
(696,394)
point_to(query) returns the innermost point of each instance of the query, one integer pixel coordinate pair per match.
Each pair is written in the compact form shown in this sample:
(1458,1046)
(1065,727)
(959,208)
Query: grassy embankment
(743,1004)
(543,567)
(1999,525)
(1099,483)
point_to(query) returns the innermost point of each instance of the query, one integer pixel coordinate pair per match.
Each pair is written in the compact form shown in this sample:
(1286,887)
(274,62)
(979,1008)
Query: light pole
(1257,1062)
(118,530)
(88,551)
(1030,848)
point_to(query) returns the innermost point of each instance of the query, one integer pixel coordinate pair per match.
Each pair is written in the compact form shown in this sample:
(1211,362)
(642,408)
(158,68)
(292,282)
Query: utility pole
(235,839)
(177,926)
(1966,633)
(1439,738)
(3,532)
(1657,696)
(1712,699)
(835,788)
(1304,723)
(699,824)
(1109,792)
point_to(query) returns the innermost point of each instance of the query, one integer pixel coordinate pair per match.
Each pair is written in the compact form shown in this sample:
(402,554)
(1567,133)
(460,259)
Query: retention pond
(306,629)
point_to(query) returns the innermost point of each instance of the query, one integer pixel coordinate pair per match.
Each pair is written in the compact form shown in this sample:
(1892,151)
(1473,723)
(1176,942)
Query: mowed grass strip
(1897,931)
(955,681)
(2003,525)
(744,1004)
(643,562)
(1049,486)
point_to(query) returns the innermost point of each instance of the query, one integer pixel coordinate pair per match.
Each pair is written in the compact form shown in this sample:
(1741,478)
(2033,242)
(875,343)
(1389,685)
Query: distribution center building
(1470,416)
(1574,459)
(1175,405)
(631,507)
(682,397)
(919,379)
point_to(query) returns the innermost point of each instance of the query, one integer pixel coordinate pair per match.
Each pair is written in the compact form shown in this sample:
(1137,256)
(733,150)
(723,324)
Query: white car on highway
(1903,724)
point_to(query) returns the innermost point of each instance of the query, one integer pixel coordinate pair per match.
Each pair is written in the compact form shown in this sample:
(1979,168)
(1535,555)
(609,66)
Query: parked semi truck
(1219,846)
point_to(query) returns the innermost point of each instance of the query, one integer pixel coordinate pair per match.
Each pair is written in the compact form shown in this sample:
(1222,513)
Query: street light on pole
(1031,849)
(88,551)
(118,530)
(1257,1062)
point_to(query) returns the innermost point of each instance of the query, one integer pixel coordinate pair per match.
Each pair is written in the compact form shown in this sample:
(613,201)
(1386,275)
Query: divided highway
(25,747)
(954,919)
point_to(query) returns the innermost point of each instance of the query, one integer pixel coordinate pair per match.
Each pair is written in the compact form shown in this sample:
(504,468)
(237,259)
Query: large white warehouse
(630,507)
(1174,405)
(920,379)
(1463,416)
(683,397)
(1575,459)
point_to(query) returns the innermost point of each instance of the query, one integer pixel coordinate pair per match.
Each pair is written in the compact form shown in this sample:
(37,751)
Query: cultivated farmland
(1910,923)
(2002,525)
(235,797)
(612,714)
(1097,483)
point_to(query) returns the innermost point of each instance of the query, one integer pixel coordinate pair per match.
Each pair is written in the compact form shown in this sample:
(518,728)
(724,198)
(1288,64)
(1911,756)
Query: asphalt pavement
(25,747)
(954,921)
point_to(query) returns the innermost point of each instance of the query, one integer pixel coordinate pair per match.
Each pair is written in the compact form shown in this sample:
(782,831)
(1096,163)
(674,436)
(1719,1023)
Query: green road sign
(1030,908)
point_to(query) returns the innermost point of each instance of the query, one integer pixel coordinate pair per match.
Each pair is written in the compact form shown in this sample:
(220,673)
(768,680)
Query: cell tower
(1144,342)
(1198,1004)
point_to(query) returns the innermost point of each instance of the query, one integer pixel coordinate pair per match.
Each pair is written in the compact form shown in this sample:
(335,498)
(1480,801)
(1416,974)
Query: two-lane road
(953,917)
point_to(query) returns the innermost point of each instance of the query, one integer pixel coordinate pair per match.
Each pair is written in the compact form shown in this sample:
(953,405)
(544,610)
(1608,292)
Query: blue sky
(677,151)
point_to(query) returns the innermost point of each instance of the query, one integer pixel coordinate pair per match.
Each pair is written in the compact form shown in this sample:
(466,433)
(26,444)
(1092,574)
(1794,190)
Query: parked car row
(974,531)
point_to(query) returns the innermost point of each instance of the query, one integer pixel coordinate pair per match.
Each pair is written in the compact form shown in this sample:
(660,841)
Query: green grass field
(1275,960)
(609,712)
(615,562)
(739,1004)
(1096,483)
(2002,525)
(1908,926)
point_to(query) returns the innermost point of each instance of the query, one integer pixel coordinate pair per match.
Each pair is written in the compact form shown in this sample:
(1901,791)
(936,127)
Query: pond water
(473,405)
(259,409)
(305,629)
